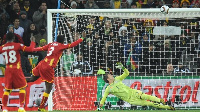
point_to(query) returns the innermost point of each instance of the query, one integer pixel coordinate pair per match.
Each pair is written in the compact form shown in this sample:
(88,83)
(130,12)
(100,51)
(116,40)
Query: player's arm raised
(73,44)
(125,74)
(43,48)
(31,47)
(104,97)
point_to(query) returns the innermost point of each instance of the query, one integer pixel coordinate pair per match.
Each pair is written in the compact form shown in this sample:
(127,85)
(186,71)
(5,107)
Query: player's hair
(60,38)
(105,78)
(10,36)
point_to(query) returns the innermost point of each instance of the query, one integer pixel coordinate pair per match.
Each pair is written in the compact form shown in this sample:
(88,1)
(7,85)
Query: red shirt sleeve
(65,46)
(44,48)
(28,49)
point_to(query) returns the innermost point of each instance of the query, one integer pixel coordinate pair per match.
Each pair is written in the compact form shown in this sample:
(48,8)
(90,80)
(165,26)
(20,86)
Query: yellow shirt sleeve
(104,96)
(124,75)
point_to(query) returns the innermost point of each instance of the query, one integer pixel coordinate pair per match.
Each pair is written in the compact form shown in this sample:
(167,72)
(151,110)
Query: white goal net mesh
(161,51)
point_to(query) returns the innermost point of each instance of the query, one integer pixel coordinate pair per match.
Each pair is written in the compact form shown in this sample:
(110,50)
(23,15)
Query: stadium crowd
(108,40)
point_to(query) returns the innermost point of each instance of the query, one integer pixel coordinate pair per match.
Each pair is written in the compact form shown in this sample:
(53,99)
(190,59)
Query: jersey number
(51,50)
(10,56)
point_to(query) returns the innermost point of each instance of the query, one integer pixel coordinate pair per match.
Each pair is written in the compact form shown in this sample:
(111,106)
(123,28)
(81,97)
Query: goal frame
(93,11)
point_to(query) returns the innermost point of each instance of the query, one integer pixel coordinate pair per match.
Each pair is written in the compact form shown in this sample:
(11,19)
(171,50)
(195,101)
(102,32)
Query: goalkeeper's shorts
(45,71)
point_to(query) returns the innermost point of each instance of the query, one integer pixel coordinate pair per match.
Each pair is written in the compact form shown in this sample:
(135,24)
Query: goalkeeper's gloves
(120,66)
(99,109)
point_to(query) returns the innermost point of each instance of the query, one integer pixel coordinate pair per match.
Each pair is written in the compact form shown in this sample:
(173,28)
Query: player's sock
(22,94)
(44,99)
(5,100)
(149,97)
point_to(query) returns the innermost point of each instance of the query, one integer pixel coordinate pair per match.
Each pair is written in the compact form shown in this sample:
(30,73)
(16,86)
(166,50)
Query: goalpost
(166,61)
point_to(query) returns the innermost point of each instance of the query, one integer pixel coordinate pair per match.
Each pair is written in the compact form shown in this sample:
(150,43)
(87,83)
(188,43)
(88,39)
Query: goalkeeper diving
(132,96)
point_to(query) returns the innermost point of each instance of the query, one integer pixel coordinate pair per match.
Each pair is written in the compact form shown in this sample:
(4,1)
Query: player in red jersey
(14,77)
(45,68)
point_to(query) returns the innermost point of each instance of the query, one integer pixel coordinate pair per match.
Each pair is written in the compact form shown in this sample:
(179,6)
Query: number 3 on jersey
(50,51)
(10,56)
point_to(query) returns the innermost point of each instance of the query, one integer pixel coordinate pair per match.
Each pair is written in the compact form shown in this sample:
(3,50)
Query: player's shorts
(45,71)
(14,79)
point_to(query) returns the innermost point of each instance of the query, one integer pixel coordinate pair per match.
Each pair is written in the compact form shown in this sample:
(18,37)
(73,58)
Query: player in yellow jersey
(132,96)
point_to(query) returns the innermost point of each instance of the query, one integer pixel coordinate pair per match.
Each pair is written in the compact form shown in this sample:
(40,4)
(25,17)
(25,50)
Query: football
(164,9)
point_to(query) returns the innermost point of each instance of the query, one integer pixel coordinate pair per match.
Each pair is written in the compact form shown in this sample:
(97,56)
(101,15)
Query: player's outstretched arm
(43,48)
(31,47)
(126,72)
(73,44)
(104,97)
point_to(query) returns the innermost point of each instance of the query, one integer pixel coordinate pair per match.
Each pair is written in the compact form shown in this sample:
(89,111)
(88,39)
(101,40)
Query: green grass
(132,111)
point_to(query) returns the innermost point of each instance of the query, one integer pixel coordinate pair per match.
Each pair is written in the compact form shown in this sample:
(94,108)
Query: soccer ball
(164,9)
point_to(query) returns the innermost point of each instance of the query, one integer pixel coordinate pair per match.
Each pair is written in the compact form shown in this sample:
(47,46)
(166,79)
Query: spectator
(124,4)
(185,3)
(41,35)
(73,5)
(115,4)
(63,6)
(106,4)
(3,12)
(13,10)
(31,31)
(18,29)
(29,10)
(4,22)
(107,31)
(40,16)
(43,42)
(150,4)
(148,26)
(195,4)
(175,4)
(24,22)
(133,50)
(80,67)
(67,59)
(18,38)
(133,5)
(89,52)
(90,4)
(26,66)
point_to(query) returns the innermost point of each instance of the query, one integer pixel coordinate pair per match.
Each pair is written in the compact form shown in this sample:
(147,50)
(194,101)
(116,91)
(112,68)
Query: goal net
(161,51)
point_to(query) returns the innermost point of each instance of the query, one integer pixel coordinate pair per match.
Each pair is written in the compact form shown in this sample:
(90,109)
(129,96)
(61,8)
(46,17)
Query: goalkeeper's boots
(21,110)
(162,101)
(5,111)
(42,109)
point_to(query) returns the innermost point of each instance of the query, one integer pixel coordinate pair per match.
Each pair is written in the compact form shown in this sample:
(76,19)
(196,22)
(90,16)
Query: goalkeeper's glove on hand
(120,66)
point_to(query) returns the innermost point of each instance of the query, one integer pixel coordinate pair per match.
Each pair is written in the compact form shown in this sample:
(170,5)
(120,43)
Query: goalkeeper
(132,96)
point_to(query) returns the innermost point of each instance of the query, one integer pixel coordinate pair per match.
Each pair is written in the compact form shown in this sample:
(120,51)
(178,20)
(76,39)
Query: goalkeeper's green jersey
(118,88)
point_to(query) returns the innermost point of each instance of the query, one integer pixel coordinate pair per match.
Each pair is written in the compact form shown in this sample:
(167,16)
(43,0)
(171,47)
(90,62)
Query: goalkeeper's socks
(22,95)
(5,100)
(44,99)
